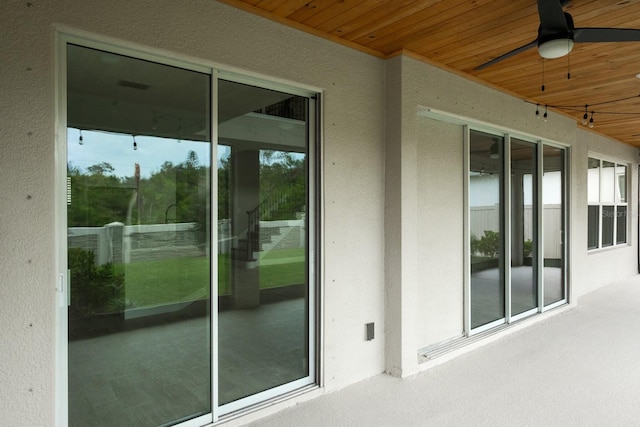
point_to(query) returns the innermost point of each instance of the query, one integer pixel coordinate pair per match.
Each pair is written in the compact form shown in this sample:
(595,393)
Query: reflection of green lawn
(283,253)
(288,272)
(149,283)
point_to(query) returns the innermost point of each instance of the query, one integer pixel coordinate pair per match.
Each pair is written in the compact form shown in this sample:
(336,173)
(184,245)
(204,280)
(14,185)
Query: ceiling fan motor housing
(555,44)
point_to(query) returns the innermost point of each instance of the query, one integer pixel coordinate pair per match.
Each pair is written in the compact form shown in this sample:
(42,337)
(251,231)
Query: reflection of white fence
(552,220)
(484,218)
(487,218)
(117,243)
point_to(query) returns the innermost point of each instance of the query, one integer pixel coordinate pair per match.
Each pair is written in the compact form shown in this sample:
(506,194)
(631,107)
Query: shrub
(95,289)
(489,244)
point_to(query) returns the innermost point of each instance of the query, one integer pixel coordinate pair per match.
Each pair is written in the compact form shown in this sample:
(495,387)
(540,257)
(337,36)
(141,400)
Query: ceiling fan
(556,34)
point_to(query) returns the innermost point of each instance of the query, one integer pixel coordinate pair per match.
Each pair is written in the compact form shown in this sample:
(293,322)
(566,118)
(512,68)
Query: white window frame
(617,201)
(469,124)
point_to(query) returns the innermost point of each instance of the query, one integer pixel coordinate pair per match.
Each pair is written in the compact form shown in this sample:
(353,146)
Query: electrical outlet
(370,331)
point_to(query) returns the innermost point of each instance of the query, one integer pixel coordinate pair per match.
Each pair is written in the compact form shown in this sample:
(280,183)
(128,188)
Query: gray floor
(132,379)
(261,348)
(578,368)
(487,295)
(149,376)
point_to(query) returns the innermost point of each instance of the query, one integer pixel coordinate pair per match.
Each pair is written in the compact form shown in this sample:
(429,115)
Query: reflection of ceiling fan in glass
(557,35)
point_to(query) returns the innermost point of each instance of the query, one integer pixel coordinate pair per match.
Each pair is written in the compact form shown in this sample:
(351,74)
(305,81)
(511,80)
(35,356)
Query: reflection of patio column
(245,281)
(517,219)
(115,239)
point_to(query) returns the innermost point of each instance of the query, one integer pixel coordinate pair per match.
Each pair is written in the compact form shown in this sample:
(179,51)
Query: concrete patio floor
(148,376)
(580,367)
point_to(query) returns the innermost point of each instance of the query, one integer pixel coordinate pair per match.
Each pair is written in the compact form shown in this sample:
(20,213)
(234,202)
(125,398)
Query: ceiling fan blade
(594,35)
(508,54)
(552,19)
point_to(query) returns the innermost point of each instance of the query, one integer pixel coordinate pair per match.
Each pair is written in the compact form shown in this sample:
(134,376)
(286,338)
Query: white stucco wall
(594,269)
(401,244)
(353,135)
(427,86)
(440,232)
(384,261)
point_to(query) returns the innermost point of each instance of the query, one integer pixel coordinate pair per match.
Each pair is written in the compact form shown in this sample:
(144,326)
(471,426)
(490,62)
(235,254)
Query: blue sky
(117,149)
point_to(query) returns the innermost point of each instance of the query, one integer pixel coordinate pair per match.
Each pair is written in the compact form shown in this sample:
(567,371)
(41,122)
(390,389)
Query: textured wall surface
(440,232)
(422,85)
(374,178)
(593,269)
(27,268)
(398,313)
(205,31)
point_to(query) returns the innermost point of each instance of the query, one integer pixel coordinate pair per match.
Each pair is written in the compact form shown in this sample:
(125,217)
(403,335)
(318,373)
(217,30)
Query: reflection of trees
(487,246)
(178,192)
(282,171)
(102,168)
(183,185)
(98,197)
(224,193)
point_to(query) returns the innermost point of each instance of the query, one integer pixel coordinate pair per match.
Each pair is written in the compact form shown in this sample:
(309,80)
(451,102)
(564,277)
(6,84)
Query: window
(164,324)
(517,220)
(607,203)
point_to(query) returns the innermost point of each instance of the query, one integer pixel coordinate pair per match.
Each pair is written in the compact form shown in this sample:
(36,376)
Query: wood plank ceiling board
(306,15)
(337,24)
(460,35)
(366,26)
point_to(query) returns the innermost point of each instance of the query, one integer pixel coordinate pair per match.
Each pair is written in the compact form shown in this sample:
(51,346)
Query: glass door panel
(524,287)
(263,195)
(486,228)
(138,209)
(553,200)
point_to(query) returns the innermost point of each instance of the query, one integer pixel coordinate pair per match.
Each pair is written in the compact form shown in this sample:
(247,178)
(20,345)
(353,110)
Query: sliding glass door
(553,203)
(263,194)
(486,217)
(524,225)
(516,222)
(165,327)
(138,238)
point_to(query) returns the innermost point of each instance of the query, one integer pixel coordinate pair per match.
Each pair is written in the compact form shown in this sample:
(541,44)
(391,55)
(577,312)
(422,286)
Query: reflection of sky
(484,189)
(117,150)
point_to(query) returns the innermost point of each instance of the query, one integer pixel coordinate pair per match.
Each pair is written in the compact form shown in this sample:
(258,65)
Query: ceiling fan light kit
(556,38)
(557,34)
(555,48)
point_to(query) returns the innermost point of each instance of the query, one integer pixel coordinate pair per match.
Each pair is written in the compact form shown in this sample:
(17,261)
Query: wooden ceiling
(460,35)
